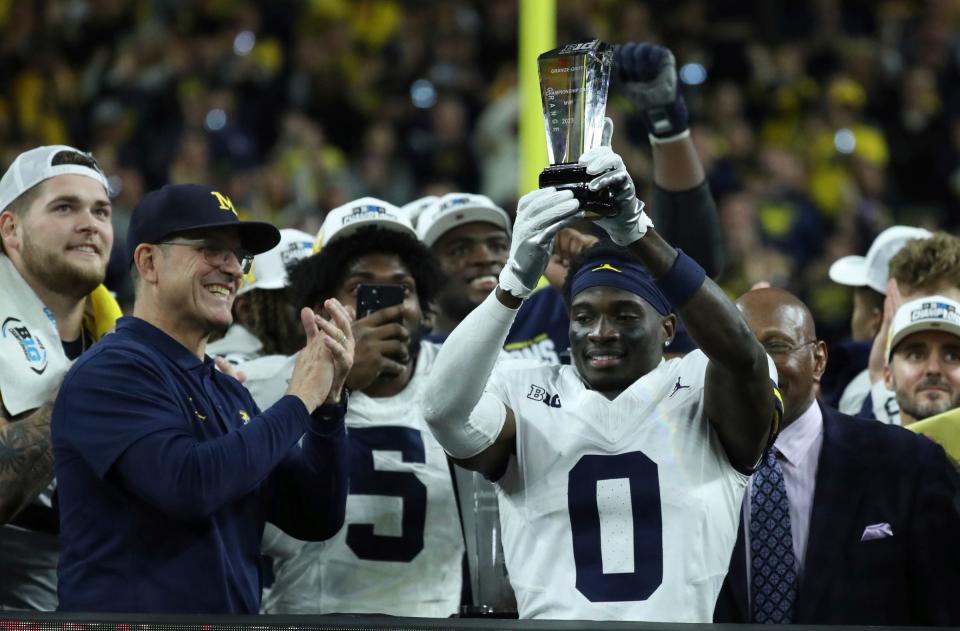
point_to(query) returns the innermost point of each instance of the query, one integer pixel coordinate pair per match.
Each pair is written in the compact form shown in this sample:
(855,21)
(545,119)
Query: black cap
(177,208)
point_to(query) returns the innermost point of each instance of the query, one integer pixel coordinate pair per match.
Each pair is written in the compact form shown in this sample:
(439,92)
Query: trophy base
(573,177)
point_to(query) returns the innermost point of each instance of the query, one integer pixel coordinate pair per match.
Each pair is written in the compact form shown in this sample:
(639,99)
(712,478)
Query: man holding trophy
(620,477)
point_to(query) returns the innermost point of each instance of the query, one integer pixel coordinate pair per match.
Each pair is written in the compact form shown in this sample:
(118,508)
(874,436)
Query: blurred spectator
(847,385)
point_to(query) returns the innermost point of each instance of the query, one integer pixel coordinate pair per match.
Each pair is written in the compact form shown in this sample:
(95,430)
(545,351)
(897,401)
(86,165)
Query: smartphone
(372,298)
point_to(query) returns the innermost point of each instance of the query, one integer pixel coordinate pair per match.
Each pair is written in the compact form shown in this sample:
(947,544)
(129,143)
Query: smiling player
(619,491)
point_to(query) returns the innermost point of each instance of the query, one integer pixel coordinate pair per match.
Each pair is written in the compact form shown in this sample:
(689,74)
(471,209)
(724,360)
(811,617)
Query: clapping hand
(338,337)
(326,359)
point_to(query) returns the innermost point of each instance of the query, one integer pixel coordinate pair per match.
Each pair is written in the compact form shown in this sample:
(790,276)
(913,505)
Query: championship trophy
(573,84)
(492,595)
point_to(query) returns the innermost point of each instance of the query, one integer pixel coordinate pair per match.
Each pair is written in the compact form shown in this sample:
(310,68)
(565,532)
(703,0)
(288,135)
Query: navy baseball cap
(178,208)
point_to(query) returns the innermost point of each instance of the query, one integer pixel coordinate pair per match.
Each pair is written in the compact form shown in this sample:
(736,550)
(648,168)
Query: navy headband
(621,274)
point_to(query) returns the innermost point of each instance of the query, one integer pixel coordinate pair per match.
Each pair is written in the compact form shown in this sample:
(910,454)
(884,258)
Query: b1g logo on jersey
(540,394)
(33,349)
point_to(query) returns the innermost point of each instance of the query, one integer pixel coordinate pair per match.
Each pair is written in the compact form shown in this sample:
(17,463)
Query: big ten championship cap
(366,212)
(178,208)
(36,165)
(455,209)
(872,270)
(931,313)
(417,207)
(269,269)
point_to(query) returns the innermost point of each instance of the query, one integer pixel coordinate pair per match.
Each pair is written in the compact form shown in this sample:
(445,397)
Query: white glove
(541,214)
(628,221)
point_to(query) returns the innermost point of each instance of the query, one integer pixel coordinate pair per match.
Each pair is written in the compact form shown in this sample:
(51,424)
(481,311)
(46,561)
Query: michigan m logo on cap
(224,201)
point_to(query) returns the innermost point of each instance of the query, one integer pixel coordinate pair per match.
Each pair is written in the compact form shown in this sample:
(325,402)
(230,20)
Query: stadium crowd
(288,313)
(294,108)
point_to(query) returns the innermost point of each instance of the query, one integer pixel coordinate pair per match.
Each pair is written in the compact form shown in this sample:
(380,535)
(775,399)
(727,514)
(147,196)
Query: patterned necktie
(773,567)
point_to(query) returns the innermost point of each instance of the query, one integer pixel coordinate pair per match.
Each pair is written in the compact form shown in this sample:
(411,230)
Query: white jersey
(32,366)
(32,360)
(400,550)
(239,345)
(616,510)
(855,394)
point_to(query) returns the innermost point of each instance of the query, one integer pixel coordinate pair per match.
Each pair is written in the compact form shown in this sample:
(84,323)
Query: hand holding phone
(382,338)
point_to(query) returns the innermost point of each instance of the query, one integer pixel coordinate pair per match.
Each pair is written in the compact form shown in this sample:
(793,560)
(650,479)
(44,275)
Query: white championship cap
(269,269)
(455,209)
(36,165)
(872,270)
(416,208)
(930,313)
(362,213)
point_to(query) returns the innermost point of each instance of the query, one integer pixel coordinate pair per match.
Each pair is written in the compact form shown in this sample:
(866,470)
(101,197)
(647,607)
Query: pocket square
(876,531)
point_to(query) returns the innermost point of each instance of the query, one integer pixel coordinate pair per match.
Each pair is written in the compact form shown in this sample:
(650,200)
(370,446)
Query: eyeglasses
(782,348)
(218,254)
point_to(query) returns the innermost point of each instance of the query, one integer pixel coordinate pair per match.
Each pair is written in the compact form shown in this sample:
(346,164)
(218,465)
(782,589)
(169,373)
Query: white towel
(32,361)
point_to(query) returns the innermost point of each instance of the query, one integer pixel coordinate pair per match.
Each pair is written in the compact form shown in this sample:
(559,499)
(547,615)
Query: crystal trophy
(489,583)
(573,85)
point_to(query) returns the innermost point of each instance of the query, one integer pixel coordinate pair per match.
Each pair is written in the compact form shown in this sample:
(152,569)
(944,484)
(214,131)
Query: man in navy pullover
(167,469)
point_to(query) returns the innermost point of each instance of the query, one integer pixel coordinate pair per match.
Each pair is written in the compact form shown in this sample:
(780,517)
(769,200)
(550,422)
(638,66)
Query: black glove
(649,74)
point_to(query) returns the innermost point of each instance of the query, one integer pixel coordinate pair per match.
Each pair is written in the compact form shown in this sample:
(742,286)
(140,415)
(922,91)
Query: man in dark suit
(846,521)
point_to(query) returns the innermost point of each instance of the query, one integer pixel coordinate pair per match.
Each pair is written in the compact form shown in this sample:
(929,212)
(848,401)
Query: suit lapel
(737,575)
(836,502)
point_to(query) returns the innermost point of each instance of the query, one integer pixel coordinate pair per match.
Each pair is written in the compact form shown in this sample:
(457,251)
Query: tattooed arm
(26,458)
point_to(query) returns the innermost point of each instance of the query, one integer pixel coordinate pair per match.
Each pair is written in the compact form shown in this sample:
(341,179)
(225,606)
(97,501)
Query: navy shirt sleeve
(119,415)
(674,212)
(307,493)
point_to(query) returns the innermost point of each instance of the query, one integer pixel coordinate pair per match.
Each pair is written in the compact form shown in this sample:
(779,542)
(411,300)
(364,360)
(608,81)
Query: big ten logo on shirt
(33,350)
(540,348)
(538,393)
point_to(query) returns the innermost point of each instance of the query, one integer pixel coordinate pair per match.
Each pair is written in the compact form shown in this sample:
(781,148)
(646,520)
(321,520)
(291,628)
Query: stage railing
(17,621)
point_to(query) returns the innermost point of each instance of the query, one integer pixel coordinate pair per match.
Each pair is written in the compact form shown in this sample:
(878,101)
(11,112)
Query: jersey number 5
(614,504)
(365,480)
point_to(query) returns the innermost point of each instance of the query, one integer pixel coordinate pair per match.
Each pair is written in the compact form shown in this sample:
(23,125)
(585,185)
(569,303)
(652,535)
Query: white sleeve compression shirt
(461,416)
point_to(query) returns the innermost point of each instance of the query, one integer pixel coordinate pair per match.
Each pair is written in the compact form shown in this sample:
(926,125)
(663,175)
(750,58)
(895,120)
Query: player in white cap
(923,358)
(56,236)
(867,275)
(400,551)
(470,235)
(620,478)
